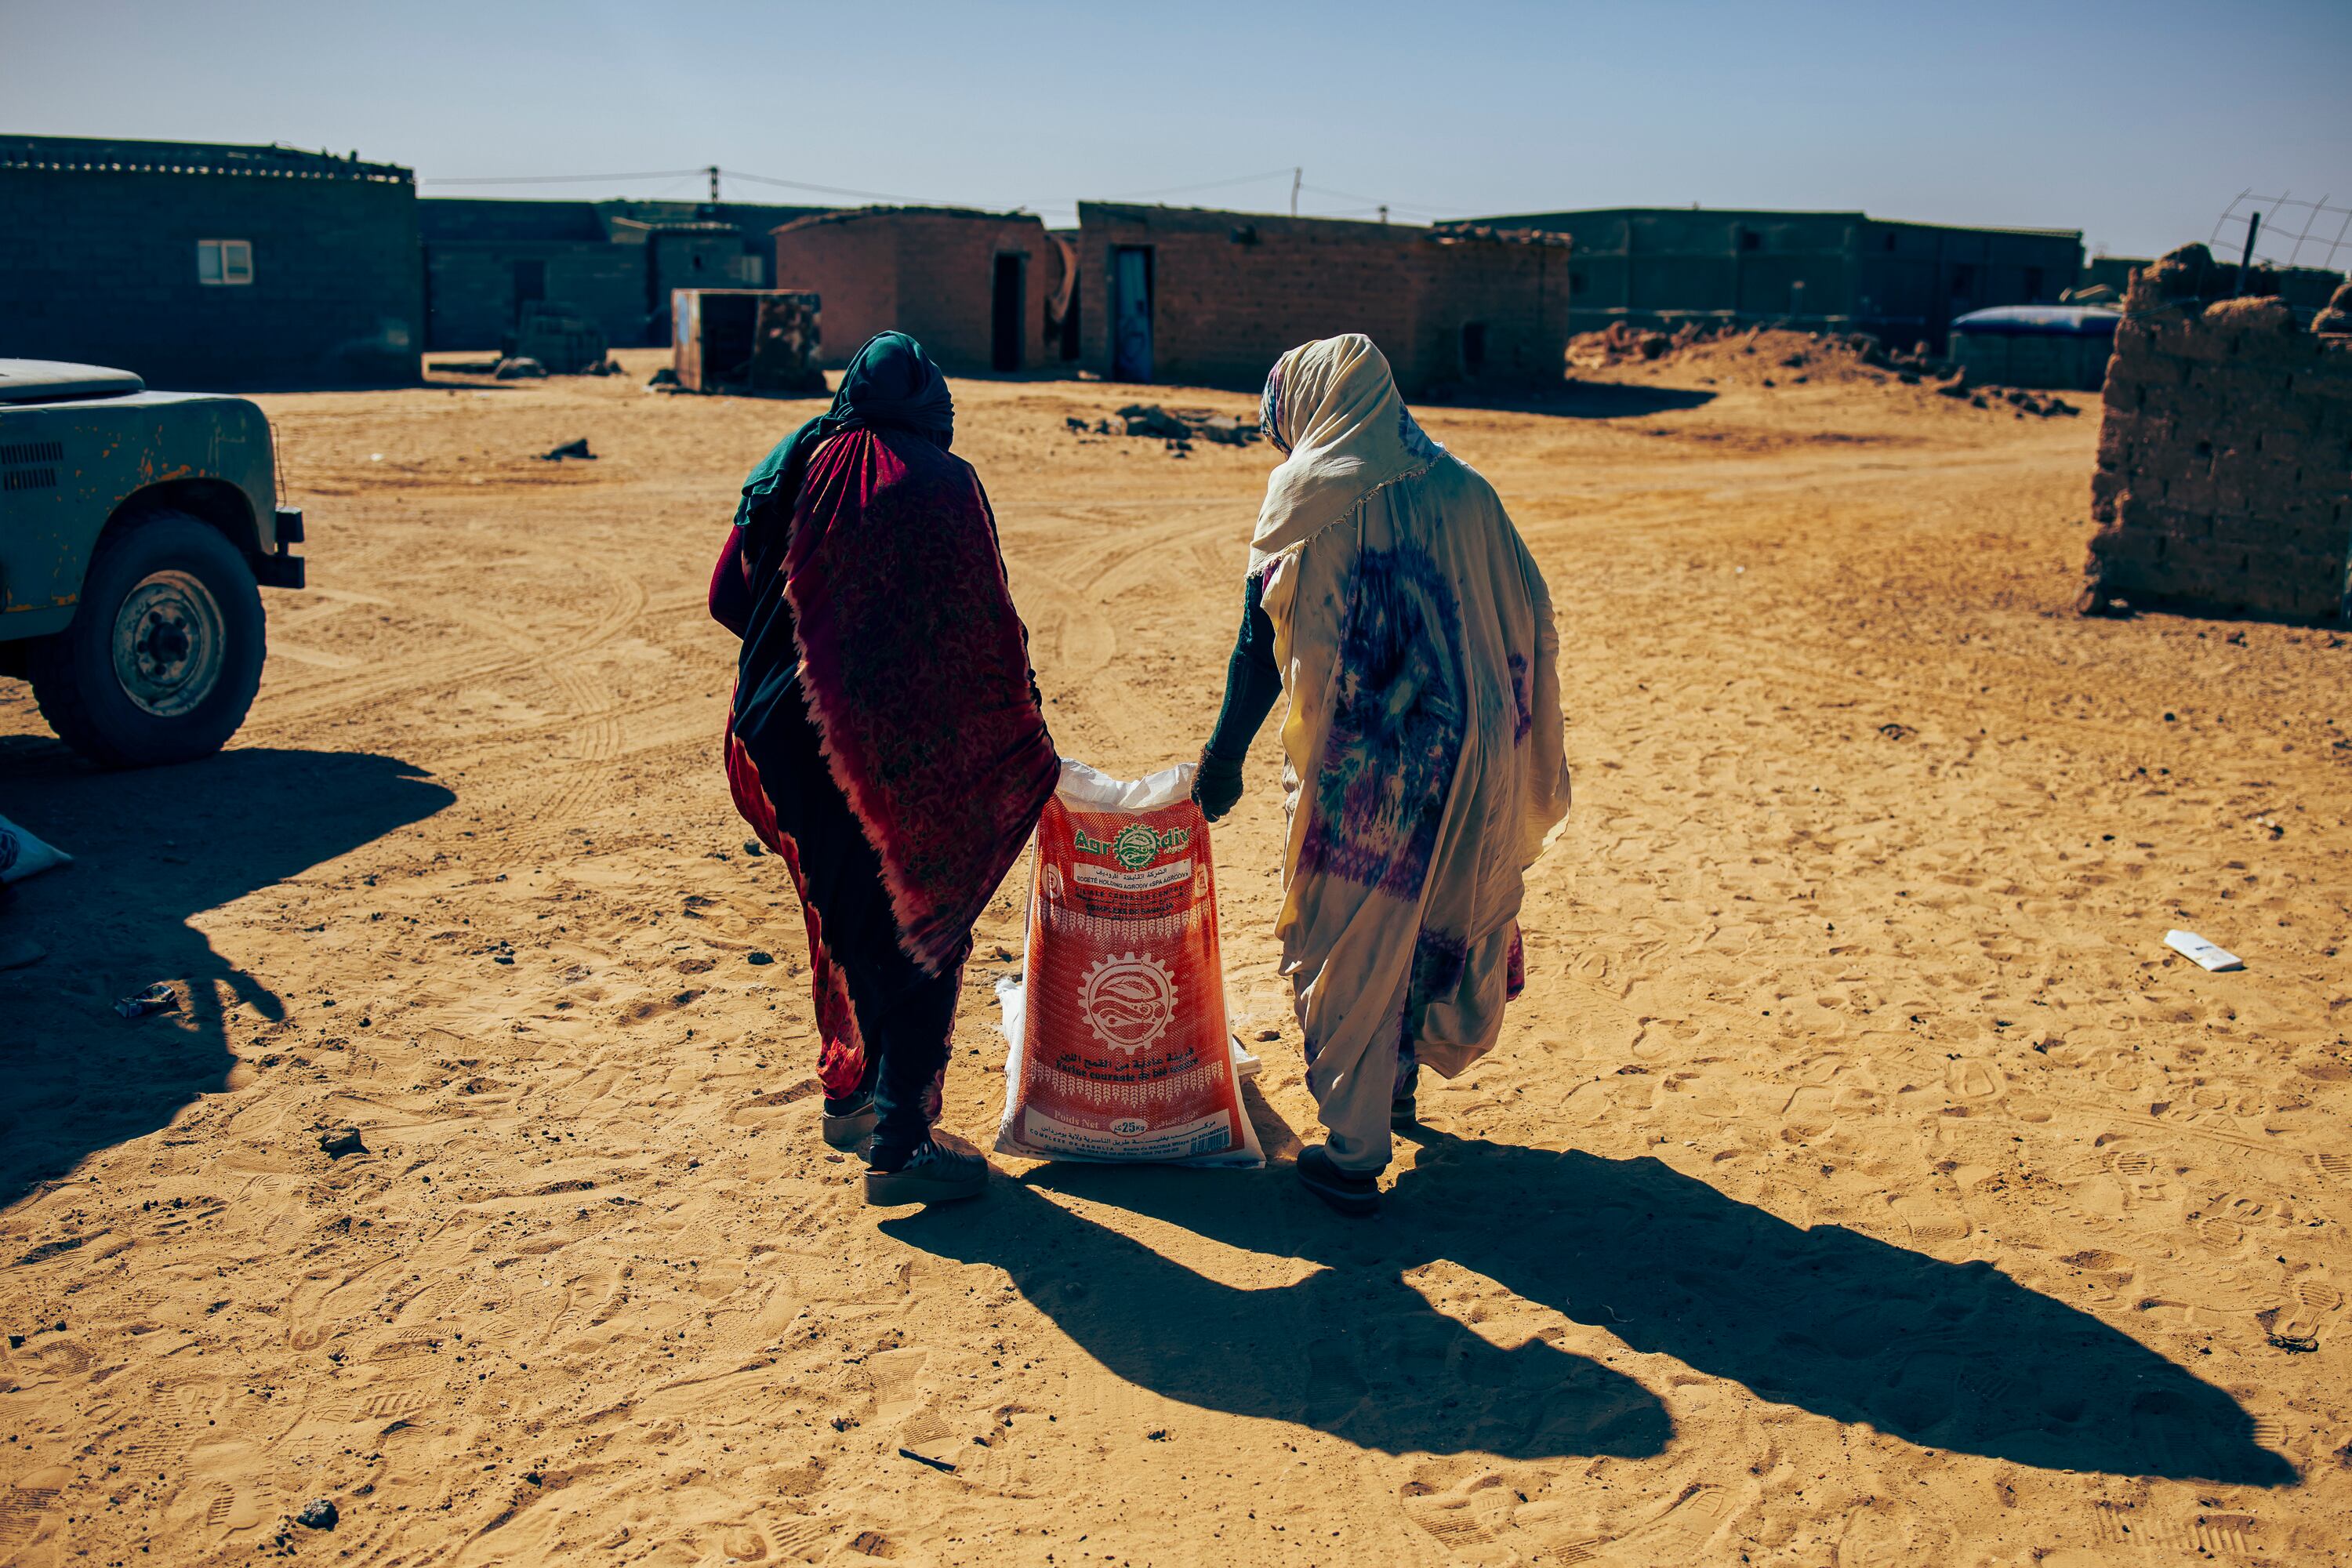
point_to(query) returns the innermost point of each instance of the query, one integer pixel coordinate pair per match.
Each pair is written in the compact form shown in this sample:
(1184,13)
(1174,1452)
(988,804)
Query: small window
(223,261)
(2033,283)
(1474,347)
(1750,240)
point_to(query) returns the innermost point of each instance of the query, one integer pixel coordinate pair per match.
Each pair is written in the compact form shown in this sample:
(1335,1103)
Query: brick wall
(2225,458)
(100,265)
(930,273)
(1232,292)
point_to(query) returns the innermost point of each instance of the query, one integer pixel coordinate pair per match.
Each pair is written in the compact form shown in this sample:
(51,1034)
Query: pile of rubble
(1177,427)
(1778,356)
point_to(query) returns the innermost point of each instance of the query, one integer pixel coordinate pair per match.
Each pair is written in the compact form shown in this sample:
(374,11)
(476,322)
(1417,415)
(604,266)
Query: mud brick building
(1903,282)
(1184,294)
(615,262)
(977,290)
(206,267)
(2224,476)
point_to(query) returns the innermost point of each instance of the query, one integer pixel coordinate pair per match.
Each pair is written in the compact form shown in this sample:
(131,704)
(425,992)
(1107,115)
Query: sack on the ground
(21,854)
(1119,1047)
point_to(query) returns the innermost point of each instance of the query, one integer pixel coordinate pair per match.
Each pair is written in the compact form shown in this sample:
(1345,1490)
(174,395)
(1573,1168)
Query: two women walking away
(1424,760)
(888,741)
(886,738)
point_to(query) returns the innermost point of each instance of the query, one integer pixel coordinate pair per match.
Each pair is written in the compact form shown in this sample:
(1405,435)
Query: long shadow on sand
(1956,1356)
(152,849)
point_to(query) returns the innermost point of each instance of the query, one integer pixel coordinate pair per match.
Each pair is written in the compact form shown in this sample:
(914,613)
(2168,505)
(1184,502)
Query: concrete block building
(977,290)
(206,267)
(1183,294)
(615,262)
(1903,282)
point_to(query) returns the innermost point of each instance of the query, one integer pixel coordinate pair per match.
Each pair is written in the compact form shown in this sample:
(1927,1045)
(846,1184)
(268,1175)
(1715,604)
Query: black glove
(1216,786)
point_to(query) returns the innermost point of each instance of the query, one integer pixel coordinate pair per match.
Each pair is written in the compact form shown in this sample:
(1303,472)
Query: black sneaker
(933,1174)
(1401,1113)
(849,1121)
(1353,1196)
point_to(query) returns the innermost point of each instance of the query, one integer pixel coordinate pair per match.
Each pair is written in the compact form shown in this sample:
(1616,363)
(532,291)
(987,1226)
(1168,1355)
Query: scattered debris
(557,338)
(1897,732)
(569,449)
(464,366)
(1180,426)
(939,1465)
(2200,952)
(519,369)
(752,848)
(756,956)
(160,997)
(318,1513)
(666,376)
(22,856)
(338,1141)
(2296,1344)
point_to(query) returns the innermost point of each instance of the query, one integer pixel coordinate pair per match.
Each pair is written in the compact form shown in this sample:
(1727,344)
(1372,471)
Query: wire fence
(2287,231)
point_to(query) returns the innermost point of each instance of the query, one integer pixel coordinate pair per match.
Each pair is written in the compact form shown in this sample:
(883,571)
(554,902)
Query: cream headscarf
(1332,405)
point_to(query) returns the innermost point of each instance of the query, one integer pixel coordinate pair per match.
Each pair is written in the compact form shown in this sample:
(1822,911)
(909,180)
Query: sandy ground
(1859,1182)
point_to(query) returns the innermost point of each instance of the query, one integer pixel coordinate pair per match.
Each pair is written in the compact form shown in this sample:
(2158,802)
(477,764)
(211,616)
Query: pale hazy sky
(2136,123)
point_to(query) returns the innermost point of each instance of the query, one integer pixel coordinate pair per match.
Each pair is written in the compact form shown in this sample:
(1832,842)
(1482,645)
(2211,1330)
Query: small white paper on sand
(2197,951)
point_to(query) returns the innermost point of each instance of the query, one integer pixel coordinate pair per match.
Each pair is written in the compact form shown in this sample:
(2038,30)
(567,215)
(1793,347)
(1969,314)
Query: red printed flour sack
(1120,1047)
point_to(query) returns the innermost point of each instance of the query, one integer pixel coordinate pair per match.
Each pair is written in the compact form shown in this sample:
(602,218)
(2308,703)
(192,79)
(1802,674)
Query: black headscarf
(891,385)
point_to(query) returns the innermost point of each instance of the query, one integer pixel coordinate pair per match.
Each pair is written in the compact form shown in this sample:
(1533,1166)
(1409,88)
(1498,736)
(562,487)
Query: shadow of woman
(1956,1356)
(152,849)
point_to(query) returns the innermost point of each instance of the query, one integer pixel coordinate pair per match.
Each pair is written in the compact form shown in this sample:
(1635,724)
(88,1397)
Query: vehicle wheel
(165,654)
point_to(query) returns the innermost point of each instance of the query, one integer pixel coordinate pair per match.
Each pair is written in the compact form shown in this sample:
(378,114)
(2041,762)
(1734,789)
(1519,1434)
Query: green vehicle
(136,529)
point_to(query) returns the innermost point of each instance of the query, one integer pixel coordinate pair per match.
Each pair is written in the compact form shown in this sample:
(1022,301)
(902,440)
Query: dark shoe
(849,1121)
(933,1174)
(1401,1113)
(1353,1196)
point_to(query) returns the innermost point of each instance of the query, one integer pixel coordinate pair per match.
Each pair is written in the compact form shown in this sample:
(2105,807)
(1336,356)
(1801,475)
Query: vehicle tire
(164,653)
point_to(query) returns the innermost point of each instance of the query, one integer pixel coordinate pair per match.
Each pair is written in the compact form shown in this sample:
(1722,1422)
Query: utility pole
(1296,175)
(1384,212)
(2246,261)
(713,172)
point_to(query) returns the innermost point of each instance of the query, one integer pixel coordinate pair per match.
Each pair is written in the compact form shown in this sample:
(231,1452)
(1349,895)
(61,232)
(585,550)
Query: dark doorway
(1071,323)
(1005,353)
(1130,313)
(529,285)
(1474,347)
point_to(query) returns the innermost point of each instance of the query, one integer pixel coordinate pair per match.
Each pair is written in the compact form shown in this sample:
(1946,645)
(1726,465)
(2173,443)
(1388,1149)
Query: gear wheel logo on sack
(1120,1049)
(1128,1001)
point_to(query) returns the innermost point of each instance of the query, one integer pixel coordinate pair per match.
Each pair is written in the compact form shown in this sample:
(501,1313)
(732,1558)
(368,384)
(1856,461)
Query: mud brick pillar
(2225,478)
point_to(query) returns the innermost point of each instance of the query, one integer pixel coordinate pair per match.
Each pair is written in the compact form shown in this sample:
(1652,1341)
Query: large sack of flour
(1120,1046)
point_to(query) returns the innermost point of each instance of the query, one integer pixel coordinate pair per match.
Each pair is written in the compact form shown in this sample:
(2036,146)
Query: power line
(1202,185)
(555,179)
(833,190)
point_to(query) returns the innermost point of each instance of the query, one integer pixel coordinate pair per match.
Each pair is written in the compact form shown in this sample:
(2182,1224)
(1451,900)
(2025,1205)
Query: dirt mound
(1778,357)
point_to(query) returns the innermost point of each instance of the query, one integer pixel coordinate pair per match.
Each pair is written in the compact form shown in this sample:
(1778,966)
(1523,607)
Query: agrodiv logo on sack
(1135,845)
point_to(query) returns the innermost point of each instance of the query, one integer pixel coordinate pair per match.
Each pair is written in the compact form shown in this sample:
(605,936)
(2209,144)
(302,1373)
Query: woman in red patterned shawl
(885,740)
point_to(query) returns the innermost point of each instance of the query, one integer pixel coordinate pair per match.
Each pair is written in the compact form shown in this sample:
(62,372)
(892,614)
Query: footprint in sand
(1333,1387)
(22,1508)
(2296,1323)
(1462,1506)
(1929,1221)
(1675,1533)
